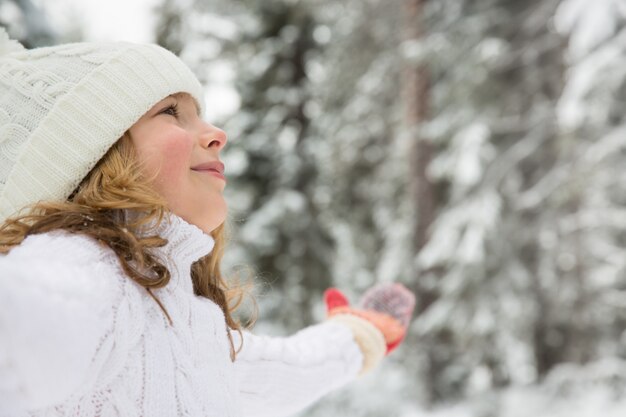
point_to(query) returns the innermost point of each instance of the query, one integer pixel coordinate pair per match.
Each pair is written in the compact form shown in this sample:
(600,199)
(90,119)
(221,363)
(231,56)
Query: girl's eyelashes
(171,110)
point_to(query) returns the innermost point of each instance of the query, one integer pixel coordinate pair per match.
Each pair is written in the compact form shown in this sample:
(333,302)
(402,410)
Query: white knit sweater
(78,338)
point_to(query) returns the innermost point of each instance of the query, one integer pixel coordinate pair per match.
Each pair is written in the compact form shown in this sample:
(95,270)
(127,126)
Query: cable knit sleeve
(281,376)
(56,309)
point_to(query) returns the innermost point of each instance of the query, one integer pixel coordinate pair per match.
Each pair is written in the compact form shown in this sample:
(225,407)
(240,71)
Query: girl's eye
(171,110)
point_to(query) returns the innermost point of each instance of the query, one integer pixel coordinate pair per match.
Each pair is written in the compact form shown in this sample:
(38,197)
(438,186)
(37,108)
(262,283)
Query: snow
(110,20)
(571,391)
(461,231)
(471,151)
(587,23)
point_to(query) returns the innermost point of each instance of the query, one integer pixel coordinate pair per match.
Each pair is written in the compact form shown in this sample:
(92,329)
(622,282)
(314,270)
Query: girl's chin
(209,225)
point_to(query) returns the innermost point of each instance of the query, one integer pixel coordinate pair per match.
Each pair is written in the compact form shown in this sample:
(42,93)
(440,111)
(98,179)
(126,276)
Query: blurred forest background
(474,150)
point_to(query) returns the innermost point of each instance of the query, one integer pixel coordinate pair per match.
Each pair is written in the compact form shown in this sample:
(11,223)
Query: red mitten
(387,306)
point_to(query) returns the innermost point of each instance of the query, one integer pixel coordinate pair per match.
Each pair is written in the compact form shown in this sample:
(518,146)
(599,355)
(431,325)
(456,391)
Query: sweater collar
(186,243)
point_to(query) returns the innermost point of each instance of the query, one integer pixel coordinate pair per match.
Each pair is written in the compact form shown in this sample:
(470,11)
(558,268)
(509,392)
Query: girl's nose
(213,137)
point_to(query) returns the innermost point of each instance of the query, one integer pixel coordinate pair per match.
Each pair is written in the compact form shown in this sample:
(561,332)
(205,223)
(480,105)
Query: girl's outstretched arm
(56,310)
(279,376)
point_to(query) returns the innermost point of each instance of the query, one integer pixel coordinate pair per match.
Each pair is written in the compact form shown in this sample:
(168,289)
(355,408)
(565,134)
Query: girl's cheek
(176,157)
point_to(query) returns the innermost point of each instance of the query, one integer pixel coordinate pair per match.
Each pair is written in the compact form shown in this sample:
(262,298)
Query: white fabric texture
(370,340)
(79,338)
(62,107)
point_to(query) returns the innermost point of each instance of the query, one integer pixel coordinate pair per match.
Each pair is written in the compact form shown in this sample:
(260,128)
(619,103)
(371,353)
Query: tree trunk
(416,98)
(416,88)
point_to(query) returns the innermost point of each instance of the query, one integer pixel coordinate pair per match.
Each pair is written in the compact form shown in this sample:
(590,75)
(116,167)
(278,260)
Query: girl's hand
(387,306)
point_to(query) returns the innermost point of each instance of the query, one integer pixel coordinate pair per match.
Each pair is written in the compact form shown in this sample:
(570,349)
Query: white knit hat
(63,107)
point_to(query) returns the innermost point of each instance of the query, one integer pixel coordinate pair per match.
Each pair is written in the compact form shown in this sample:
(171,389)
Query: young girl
(112,215)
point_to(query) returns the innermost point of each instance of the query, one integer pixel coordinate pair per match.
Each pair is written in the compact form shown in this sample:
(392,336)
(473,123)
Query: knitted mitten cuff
(367,336)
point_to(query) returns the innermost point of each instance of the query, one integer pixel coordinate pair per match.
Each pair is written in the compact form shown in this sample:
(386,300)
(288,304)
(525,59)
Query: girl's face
(182,153)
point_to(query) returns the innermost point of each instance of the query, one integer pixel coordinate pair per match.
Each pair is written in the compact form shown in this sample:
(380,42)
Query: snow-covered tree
(27,22)
(497,75)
